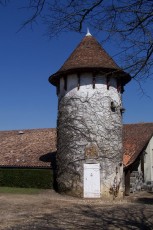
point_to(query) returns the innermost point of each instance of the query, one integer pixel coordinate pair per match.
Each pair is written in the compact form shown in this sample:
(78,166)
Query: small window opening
(20,132)
(113,107)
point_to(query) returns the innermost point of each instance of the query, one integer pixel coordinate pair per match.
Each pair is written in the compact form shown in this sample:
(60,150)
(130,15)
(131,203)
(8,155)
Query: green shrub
(26,178)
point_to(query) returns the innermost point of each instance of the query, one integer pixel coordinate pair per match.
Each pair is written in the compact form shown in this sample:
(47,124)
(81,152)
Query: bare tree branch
(3,2)
(128,22)
(87,12)
(37,6)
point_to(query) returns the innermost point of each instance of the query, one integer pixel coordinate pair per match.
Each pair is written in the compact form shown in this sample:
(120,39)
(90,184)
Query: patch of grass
(14,190)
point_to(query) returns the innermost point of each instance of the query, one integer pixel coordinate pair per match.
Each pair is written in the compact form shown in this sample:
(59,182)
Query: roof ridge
(33,129)
(138,123)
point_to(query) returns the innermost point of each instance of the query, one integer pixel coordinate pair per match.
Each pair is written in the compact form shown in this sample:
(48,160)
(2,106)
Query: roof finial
(88,32)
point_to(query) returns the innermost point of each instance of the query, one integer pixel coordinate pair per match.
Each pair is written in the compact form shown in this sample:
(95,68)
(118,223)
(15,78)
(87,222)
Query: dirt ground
(51,211)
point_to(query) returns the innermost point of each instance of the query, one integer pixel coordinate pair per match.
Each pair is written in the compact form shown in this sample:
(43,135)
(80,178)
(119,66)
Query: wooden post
(78,81)
(65,83)
(108,83)
(58,87)
(142,164)
(127,182)
(93,81)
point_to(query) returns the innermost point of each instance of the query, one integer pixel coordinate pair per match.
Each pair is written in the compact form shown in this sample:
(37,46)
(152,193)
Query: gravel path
(51,211)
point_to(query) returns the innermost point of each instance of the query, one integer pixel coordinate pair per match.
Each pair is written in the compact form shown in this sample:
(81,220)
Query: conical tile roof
(89,56)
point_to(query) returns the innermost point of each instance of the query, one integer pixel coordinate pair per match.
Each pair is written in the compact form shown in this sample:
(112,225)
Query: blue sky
(28,58)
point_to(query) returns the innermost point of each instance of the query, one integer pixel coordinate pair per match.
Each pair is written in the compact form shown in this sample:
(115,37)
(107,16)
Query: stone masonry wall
(89,130)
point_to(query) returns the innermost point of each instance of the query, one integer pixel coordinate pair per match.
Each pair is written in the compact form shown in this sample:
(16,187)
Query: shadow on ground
(91,216)
(145,200)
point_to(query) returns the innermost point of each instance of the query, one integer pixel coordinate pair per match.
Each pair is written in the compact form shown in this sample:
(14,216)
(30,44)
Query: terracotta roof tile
(25,150)
(135,139)
(30,148)
(89,55)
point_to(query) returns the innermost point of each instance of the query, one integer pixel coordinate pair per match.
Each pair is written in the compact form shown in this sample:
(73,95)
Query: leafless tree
(3,2)
(128,22)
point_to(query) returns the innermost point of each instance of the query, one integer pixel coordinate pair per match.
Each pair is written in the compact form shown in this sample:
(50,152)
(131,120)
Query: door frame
(87,166)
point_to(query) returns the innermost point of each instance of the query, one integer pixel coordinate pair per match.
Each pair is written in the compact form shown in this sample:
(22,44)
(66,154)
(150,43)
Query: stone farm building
(138,156)
(89,125)
(36,148)
(92,145)
(26,148)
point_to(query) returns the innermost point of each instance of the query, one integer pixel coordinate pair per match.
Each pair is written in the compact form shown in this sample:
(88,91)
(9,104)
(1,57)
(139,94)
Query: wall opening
(92,180)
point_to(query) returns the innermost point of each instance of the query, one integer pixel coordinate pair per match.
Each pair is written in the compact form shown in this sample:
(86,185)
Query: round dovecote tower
(89,125)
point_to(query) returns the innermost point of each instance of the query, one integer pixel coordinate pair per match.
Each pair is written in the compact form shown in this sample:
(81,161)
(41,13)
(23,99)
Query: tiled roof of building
(135,139)
(34,148)
(25,148)
(89,55)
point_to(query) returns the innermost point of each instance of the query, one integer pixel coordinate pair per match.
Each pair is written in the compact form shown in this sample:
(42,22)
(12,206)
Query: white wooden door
(92,180)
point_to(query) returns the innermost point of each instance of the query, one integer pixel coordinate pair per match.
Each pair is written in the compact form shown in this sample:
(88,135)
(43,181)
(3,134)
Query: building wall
(148,164)
(89,131)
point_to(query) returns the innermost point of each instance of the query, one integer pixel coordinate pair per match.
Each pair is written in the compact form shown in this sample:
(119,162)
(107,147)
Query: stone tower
(89,125)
